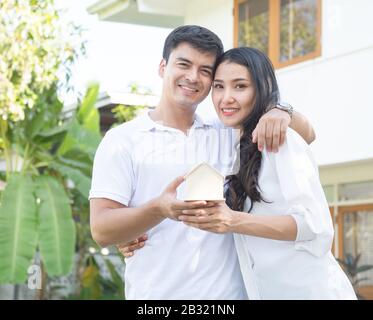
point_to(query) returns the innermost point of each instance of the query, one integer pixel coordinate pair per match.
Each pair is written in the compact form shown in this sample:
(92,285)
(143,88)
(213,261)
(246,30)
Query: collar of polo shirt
(149,124)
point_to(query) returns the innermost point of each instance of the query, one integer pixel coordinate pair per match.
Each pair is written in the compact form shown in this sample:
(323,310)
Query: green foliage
(353,270)
(254,32)
(45,171)
(18,228)
(95,286)
(87,115)
(123,113)
(48,156)
(56,227)
(34,44)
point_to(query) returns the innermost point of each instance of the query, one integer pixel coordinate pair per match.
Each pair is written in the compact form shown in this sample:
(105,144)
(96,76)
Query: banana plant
(48,159)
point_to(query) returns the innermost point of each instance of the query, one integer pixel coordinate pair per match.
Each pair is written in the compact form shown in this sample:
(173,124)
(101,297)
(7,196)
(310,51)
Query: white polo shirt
(133,164)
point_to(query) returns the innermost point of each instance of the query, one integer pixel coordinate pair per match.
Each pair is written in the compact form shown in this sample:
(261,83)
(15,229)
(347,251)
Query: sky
(117,54)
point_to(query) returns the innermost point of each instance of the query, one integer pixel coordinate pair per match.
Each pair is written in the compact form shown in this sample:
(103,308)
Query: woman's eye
(241,86)
(218,86)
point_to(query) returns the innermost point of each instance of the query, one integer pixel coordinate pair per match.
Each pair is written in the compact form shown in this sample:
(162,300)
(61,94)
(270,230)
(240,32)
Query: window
(329,193)
(355,224)
(288,31)
(355,191)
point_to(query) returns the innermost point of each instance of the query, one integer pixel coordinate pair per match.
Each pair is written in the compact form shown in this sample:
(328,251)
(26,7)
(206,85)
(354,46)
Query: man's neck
(174,117)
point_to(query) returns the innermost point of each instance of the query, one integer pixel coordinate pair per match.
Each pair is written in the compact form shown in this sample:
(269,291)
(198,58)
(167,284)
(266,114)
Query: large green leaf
(45,114)
(88,115)
(35,124)
(50,133)
(77,159)
(84,131)
(81,181)
(79,137)
(18,229)
(56,226)
(55,136)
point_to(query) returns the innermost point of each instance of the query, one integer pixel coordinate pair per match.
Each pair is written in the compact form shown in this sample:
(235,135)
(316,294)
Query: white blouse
(300,269)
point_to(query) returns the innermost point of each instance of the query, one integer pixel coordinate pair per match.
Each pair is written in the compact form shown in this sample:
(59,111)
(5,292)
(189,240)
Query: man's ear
(162,66)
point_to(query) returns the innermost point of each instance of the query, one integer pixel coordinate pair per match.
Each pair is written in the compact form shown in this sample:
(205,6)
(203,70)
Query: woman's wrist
(235,221)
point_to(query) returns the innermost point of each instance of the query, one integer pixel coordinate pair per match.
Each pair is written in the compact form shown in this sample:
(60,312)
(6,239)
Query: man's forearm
(121,225)
(300,124)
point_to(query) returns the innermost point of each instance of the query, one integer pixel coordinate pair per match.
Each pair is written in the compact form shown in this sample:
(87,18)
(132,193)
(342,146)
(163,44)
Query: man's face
(187,76)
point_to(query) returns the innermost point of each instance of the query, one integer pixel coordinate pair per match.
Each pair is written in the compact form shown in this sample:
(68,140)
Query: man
(137,160)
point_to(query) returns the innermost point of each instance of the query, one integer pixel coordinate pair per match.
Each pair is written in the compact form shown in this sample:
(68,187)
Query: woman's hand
(218,219)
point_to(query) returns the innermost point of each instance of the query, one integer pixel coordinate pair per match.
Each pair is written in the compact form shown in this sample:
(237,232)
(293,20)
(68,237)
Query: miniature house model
(204,182)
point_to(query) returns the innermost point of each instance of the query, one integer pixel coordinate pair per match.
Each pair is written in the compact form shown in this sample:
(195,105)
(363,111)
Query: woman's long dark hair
(245,182)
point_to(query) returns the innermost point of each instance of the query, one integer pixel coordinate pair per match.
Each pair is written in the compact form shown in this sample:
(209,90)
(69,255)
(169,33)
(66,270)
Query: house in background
(107,101)
(323,54)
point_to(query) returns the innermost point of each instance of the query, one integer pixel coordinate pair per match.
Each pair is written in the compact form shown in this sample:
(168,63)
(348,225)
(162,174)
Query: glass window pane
(354,191)
(298,24)
(329,193)
(253,24)
(358,239)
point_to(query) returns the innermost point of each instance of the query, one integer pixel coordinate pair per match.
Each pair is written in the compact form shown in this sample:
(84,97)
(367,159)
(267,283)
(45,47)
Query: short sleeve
(112,175)
(300,186)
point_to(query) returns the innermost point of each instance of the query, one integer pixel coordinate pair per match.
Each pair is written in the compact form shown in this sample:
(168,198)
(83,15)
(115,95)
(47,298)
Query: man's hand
(271,129)
(170,207)
(128,249)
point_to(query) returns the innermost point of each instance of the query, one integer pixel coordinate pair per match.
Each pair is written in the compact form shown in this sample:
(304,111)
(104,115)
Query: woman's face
(233,93)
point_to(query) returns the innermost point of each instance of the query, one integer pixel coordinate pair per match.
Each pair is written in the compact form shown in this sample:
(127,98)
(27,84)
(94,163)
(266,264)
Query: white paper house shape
(204,182)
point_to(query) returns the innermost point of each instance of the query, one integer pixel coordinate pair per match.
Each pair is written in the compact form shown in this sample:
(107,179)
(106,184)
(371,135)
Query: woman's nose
(228,98)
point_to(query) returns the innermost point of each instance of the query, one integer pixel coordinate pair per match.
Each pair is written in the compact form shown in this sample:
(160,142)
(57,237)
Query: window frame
(274,33)
(333,216)
(342,210)
(367,290)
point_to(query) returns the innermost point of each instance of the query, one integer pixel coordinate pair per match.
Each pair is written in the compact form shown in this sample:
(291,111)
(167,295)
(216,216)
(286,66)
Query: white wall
(335,91)
(216,15)
(336,94)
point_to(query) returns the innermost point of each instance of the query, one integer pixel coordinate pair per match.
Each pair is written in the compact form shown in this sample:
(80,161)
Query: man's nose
(192,75)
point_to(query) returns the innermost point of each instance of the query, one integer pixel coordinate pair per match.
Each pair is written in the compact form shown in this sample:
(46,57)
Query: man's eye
(206,72)
(182,64)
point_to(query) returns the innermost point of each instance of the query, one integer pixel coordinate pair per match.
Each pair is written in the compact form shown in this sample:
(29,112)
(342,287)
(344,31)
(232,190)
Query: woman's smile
(227,112)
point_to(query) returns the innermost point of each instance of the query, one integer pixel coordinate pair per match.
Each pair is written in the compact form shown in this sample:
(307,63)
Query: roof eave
(126,11)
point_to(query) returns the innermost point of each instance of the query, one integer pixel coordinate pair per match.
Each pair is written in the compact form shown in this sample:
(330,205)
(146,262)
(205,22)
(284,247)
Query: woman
(276,206)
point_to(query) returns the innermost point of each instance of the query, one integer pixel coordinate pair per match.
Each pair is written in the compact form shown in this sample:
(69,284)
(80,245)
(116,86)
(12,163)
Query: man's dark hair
(198,37)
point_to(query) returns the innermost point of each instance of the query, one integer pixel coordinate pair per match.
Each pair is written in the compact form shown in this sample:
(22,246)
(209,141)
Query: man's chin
(188,104)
